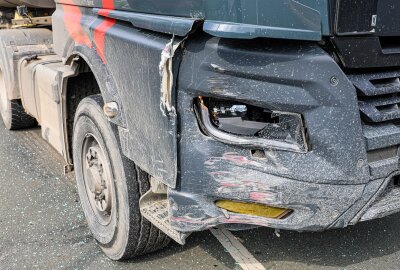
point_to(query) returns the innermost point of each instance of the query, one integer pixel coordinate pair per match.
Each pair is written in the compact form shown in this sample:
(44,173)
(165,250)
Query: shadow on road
(335,248)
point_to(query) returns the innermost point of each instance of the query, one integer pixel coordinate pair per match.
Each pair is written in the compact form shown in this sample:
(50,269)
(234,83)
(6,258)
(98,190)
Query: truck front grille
(379,103)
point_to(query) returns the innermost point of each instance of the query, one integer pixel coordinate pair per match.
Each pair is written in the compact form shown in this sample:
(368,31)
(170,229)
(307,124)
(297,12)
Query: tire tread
(19,118)
(150,238)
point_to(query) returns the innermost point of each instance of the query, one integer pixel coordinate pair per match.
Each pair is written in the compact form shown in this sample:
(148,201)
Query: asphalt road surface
(42,227)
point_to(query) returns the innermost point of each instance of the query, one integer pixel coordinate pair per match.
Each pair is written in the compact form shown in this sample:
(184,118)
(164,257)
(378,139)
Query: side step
(154,207)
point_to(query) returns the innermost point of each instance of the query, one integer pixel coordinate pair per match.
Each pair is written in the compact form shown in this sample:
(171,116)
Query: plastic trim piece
(249,31)
(158,23)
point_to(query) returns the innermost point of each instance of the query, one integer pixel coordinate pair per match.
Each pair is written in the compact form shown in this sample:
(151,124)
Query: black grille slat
(381,110)
(379,104)
(370,84)
(378,95)
(379,136)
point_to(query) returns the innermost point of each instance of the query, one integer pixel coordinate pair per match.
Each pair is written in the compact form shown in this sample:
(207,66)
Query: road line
(238,252)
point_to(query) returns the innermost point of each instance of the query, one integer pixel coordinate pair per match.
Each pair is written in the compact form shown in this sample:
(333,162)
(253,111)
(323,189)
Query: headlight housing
(250,126)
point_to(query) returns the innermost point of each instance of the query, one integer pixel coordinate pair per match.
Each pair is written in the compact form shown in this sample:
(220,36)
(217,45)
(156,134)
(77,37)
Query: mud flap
(154,207)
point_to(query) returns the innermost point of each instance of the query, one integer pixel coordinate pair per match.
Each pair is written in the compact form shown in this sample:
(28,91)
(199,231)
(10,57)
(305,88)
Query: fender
(106,85)
(126,62)
(103,77)
(79,44)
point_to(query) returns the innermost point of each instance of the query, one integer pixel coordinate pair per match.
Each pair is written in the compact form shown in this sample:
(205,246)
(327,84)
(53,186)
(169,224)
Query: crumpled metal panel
(127,74)
(292,78)
(150,136)
(326,187)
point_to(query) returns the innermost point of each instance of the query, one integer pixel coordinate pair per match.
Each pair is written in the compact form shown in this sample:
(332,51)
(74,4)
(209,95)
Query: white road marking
(238,252)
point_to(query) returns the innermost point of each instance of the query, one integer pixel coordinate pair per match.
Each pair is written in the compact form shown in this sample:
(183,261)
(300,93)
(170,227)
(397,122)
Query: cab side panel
(125,60)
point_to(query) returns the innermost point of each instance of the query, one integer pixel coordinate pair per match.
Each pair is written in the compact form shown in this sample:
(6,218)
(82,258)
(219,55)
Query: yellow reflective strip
(254,209)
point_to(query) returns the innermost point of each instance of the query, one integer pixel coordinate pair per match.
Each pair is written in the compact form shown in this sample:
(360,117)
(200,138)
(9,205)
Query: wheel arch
(90,77)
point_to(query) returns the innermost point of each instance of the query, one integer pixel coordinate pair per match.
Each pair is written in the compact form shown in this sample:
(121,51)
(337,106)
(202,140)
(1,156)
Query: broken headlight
(251,126)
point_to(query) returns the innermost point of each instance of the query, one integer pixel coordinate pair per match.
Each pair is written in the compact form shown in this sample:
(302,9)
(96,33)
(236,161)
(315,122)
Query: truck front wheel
(110,186)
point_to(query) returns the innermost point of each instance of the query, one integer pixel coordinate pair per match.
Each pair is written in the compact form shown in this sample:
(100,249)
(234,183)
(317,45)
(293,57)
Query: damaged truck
(178,116)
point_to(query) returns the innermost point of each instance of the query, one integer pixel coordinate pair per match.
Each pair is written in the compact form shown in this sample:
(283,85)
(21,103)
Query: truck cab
(184,115)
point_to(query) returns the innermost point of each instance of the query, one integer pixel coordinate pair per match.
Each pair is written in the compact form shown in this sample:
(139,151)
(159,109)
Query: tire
(111,206)
(12,112)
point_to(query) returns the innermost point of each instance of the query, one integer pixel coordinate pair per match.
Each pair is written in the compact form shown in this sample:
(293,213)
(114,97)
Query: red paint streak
(108,4)
(99,35)
(72,20)
(104,12)
(260,196)
(227,184)
(234,157)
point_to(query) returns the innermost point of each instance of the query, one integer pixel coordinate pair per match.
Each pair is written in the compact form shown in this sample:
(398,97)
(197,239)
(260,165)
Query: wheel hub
(98,180)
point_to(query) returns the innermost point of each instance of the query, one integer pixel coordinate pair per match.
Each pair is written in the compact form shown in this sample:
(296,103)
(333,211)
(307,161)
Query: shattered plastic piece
(165,69)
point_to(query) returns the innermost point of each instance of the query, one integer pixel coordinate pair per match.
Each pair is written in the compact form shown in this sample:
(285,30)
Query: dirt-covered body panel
(125,62)
(330,186)
(289,19)
(140,55)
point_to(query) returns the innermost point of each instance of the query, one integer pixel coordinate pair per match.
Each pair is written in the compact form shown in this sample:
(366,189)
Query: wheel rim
(3,94)
(98,179)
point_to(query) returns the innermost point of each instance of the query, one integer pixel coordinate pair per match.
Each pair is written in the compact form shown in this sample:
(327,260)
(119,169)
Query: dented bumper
(331,185)
(315,206)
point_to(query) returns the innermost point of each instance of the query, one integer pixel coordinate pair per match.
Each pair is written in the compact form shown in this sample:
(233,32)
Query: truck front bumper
(315,207)
(344,176)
